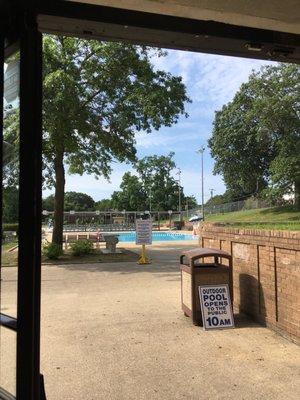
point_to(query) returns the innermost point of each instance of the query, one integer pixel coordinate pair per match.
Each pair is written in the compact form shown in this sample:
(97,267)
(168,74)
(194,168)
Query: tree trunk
(297,193)
(57,235)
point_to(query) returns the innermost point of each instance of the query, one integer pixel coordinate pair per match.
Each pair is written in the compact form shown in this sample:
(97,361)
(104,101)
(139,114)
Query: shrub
(52,251)
(11,227)
(250,203)
(81,247)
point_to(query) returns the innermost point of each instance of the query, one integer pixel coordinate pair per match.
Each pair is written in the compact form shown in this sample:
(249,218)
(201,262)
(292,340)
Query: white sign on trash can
(143,231)
(216,307)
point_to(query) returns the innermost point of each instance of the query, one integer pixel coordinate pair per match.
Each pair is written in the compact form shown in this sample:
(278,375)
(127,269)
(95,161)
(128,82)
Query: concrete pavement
(116,331)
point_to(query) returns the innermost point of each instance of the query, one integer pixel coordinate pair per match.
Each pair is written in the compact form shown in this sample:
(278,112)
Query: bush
(52,251)
(81,247)
(11,227)
(250,203)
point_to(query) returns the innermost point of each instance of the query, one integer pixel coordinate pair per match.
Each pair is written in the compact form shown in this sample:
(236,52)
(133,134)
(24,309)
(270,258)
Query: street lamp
(201,151)
(150,199)
(150,184)
(170,218)
(179,192)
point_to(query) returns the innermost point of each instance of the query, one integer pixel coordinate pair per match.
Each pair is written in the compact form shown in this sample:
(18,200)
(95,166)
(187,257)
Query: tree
(153,188)
(190,202)
(48,203)
(132,196)
(78,202)
(103,205)
(10,204)
(73,201)
(256,136)
(158,182)
(11,148)
(96,96)
(10,164)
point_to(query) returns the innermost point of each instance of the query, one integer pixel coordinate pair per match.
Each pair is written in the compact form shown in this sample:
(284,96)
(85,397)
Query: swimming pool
(157,236)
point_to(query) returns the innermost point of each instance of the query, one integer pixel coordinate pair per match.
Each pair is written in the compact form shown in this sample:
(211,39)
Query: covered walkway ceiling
(268,29)
(277,15)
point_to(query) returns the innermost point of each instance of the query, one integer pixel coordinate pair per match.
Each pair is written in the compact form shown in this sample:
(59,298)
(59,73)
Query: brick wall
(266,273)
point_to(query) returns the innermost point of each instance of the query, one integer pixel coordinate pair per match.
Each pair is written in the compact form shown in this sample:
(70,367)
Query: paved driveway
(116,332)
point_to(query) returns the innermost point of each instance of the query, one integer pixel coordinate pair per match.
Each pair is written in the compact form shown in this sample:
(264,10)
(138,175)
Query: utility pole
(201,151)
(179,192)
(187,209)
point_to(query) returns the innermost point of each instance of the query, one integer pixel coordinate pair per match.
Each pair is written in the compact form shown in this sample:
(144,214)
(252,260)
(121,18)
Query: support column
(29,262)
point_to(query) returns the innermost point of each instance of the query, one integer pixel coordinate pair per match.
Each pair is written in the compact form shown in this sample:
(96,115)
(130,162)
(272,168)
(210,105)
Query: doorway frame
(19,30)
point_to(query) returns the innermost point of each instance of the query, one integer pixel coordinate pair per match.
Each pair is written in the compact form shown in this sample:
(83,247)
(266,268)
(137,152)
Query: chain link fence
(248,204)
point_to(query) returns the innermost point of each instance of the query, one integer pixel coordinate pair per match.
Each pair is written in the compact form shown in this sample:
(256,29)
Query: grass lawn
(95,257)
(265,218)
(11,258)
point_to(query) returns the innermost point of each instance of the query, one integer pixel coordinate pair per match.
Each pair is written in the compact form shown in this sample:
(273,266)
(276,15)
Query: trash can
(198,267)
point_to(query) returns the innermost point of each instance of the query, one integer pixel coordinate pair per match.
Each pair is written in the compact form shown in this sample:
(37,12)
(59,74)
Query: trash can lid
(204,252)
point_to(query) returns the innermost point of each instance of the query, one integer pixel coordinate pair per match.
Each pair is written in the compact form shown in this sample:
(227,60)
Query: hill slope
(265,218)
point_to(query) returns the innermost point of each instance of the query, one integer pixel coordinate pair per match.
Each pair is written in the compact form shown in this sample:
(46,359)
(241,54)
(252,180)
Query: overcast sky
(211,82)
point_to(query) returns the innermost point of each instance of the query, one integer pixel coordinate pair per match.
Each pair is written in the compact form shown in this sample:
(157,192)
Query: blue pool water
(157,237)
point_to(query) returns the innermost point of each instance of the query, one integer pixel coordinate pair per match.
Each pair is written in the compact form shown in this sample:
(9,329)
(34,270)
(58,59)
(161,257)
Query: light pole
(150,199)
(201,151)
(179,193)
(170,219)
(211,197)
(150,184)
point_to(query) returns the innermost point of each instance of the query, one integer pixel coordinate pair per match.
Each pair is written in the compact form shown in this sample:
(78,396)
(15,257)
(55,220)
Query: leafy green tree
(48,203)
(216,200)
(190,202)
(97,95)
(73,201)
(10,204)
(155,173)
(256,136)
(10,166)
(131,196)
(103,205)
(153,188)
(227,197)
(11,148)
(78,202)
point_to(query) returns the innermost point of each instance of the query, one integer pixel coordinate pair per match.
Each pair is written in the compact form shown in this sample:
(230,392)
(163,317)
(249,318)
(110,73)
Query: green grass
(10,259)
(282,218)
(7,257)
(94,257)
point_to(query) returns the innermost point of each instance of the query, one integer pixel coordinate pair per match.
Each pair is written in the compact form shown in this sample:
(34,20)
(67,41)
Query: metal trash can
(198,267)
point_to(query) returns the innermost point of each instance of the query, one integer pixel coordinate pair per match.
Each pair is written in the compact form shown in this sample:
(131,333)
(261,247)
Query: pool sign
(143,231)
(216,307)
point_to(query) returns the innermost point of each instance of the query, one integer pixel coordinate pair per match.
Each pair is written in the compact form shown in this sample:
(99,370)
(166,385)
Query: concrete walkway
(116,332)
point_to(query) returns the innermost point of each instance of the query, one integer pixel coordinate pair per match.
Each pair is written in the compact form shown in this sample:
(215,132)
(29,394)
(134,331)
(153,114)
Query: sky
(211,81)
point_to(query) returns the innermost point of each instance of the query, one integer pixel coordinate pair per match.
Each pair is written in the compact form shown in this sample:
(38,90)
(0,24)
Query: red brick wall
(266,273)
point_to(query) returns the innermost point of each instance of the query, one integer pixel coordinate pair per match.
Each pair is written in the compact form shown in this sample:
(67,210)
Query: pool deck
(116,332)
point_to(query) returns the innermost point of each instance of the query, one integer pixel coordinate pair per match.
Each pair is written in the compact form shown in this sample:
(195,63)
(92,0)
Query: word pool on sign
(143,231)
(216,306)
